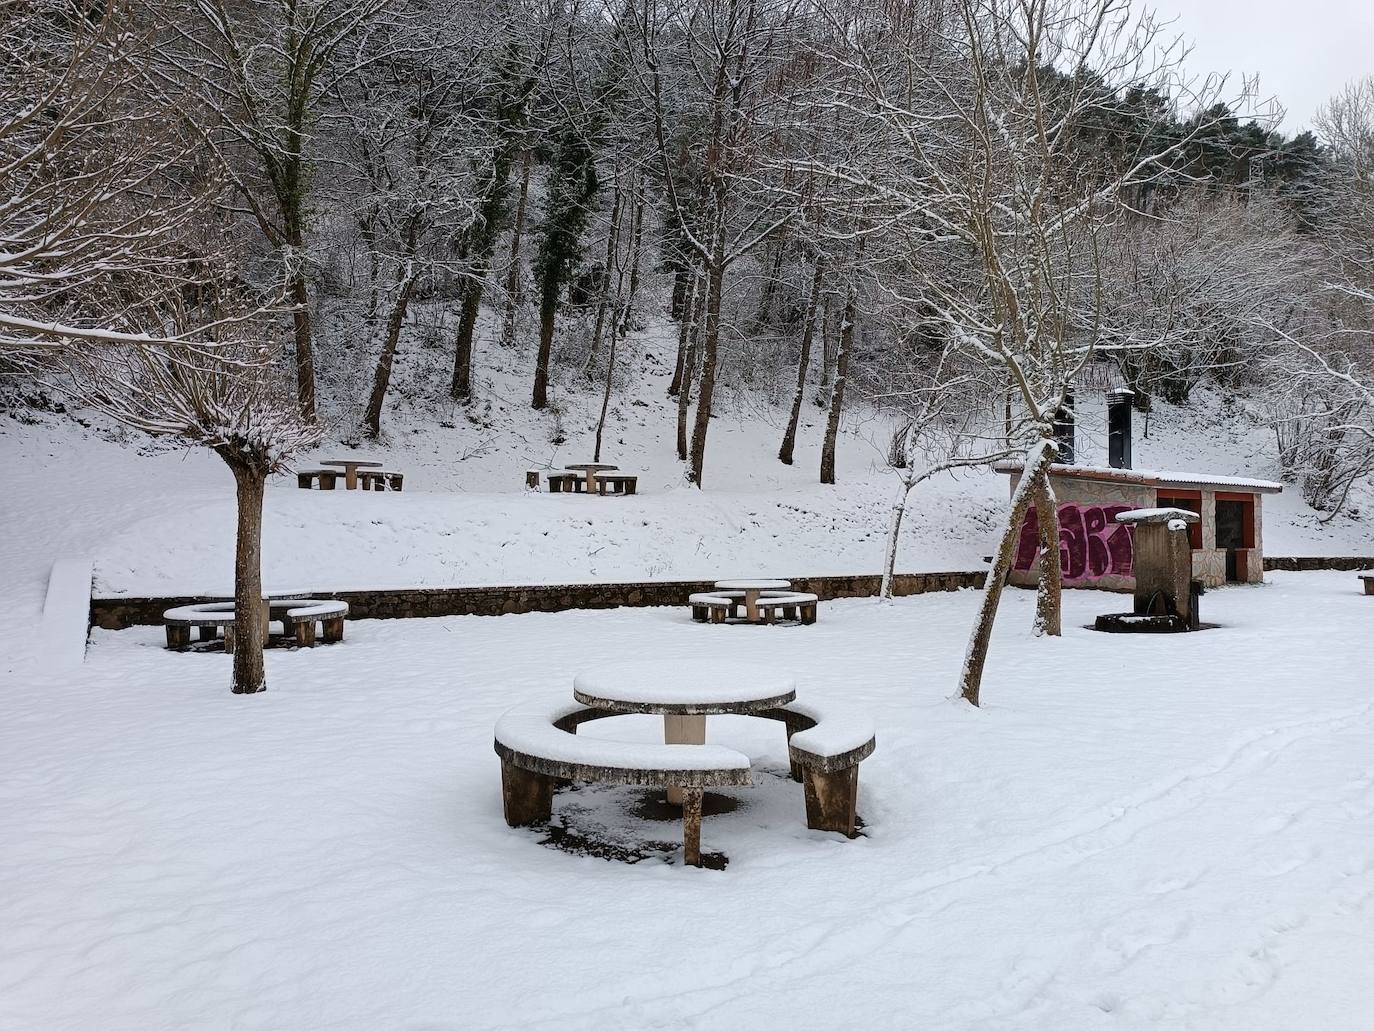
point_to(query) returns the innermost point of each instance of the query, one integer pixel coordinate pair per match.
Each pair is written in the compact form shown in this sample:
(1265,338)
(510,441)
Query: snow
(836,731)
(1157,515)
(529,729)
(66,614)
(693,682)
(1135,832)
(1192,479)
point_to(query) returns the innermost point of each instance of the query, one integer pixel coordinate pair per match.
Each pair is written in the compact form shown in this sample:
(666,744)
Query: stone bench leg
(630,486)
(691,826)
(229,639)
(717,614)
(208,633)
(831,800)
(682,730)
(304,480)
(808,614)
(395,480)
(1369,586)
(178,637)
(305,634)
(532,479)
(333,629)
(327,480)
(699,613)
(526,797)
(789,612)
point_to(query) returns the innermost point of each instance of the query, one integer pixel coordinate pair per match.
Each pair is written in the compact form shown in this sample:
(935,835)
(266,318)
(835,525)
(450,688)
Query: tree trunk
(770,285)
(304,331)
(684,335)
(381,380)
(604,301)
(827,355)
(689,372)
(832,425)
(548,311)
(706,390)
(893,534)
(789,437)
(483,247)
(971,678)
(1049,597)
(605,396)
(249,674)
(513,273)
(636,250)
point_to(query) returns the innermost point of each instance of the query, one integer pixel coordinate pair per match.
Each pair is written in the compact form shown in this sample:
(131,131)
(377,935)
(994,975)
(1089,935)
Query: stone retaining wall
(119,613)
(1311,563)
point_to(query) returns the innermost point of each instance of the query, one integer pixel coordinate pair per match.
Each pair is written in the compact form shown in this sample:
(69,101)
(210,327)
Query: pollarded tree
(110,287)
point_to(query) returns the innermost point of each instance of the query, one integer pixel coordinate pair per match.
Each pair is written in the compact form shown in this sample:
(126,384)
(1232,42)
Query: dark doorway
(1235,533)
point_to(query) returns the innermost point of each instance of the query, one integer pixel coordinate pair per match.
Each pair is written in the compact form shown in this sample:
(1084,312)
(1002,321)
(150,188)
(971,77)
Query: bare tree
(260,68)
(979,111)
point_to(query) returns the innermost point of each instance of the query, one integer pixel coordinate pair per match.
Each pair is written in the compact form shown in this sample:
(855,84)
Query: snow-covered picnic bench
(380,479)
(763,601)
(540,749)
(298,617)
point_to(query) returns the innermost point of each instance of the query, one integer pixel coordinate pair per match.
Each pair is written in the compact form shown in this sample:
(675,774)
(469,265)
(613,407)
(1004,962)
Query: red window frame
(1165,495)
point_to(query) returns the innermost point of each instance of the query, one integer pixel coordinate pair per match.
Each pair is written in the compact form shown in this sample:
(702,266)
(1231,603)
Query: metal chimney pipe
(1064,430)
(1119,428)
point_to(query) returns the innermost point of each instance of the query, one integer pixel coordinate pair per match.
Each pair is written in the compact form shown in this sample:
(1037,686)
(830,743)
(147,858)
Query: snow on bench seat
(715,599)
(529,737)
(834,741)
(778,599)
(537,751)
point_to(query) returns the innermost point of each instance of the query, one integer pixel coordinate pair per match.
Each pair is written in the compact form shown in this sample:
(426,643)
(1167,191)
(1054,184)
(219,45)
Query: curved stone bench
(824,751)
(298,617)
(539,748)
(792,605)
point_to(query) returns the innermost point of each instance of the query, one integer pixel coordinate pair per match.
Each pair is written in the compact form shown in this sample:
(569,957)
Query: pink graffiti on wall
(1092,544)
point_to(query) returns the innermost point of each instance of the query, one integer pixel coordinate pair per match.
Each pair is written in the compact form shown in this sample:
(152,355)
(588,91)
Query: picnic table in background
(589,470)
(350,467)
(752,590)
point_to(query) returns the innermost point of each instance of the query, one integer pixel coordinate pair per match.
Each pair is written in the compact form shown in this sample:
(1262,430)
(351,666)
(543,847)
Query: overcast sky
(1303,50)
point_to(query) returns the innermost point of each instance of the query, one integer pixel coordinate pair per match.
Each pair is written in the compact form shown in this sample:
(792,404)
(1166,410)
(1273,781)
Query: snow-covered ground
(1135,832)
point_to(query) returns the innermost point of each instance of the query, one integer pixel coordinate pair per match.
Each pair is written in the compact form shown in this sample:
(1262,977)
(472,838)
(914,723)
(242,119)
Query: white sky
(1303,50)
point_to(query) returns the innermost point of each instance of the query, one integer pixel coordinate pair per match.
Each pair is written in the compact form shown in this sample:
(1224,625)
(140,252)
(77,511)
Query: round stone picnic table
(590,469)
(752,590)
(350,467)
(684,696)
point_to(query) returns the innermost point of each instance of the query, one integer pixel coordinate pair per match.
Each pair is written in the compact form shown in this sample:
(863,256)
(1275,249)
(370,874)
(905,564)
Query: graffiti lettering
(1092,544)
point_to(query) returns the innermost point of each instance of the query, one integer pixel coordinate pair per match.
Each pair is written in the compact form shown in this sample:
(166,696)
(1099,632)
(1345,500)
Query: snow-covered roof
(1151,477)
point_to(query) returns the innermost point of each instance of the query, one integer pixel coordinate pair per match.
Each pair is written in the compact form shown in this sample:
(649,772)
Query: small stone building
(1097,551)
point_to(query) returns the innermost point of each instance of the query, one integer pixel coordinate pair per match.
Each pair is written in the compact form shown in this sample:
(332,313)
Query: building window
(1189,501)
